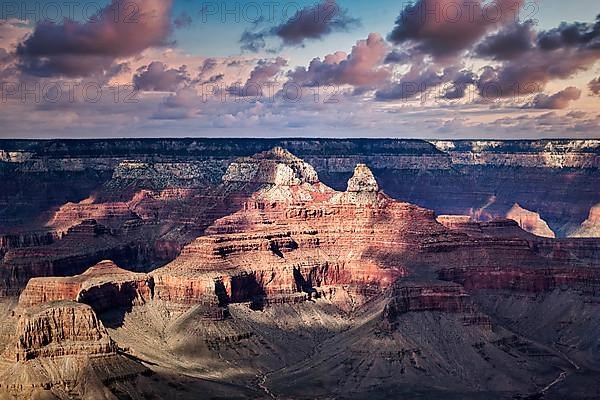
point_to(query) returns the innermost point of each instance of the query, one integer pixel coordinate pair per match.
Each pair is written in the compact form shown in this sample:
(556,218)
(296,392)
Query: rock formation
(82,245)
(276,166)
(298,235)
(591,226)
(59,329)
(103,286)
(240,270)
(530,221)
(409,297)
(61,350)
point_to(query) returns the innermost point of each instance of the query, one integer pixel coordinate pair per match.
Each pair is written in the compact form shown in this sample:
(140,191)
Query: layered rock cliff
(104,286)
(554,178)
(59,329)
(296,235)
(530,221)
(407,297)
(265,275)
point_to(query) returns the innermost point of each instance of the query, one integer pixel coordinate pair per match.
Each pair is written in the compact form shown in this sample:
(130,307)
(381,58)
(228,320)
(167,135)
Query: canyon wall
(555,178)
(223,269)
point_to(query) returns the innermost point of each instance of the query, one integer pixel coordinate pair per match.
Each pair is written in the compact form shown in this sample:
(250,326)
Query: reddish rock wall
(60,329)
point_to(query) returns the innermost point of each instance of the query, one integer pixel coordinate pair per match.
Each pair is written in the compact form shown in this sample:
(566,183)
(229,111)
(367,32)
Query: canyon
(303,269)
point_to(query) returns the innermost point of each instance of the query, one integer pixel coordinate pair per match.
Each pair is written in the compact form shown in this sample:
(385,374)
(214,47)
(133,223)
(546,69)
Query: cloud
(530,72)
(422,78)
(362,67)
(76,49)
(266,70)
(208,65)
(156,77)
(594,86)
(183,20)
(557,101)
(509,43)
(397,57)
(309,23)
(260,77)
(12,32)
(314,22)
(4,56)
(460,82)
(558,53)
(446,28)
(576,34)
(253,41)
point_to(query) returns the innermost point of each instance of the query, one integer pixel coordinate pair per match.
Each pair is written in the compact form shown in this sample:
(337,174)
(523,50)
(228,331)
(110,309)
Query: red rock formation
(103,286)
(109,214)
(530,221)
(83,245)
(60,329)
(296,234)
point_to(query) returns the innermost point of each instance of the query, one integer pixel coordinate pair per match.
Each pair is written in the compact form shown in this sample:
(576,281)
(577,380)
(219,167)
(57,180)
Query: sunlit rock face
(591,226)
(276,166)
(362,180)
(298,235)
(530,221)
(59,329)
(104,286)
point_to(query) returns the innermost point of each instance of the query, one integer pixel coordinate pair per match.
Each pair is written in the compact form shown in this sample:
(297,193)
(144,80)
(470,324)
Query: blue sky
(375,16)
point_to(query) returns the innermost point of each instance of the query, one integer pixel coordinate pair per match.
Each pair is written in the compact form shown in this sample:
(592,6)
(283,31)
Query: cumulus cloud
(266,70)
(311,22)
(557,101)
(397,57)
(460,82)
(422,78)
(260,77)
(208,65)
(77,49)
(444,28)
(509,43)
(12,32)
(530,60)
(157,77)
(576,34)
(362,67)
(531,72)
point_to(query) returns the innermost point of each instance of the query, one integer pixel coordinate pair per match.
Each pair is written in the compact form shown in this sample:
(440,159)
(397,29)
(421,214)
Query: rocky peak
(362,180)
(277,153)
(276,167)
(105,267)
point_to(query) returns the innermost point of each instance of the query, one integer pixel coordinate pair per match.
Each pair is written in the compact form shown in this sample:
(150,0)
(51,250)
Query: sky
(487,69)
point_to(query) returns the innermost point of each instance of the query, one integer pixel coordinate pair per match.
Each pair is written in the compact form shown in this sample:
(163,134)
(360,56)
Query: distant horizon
(158,138)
